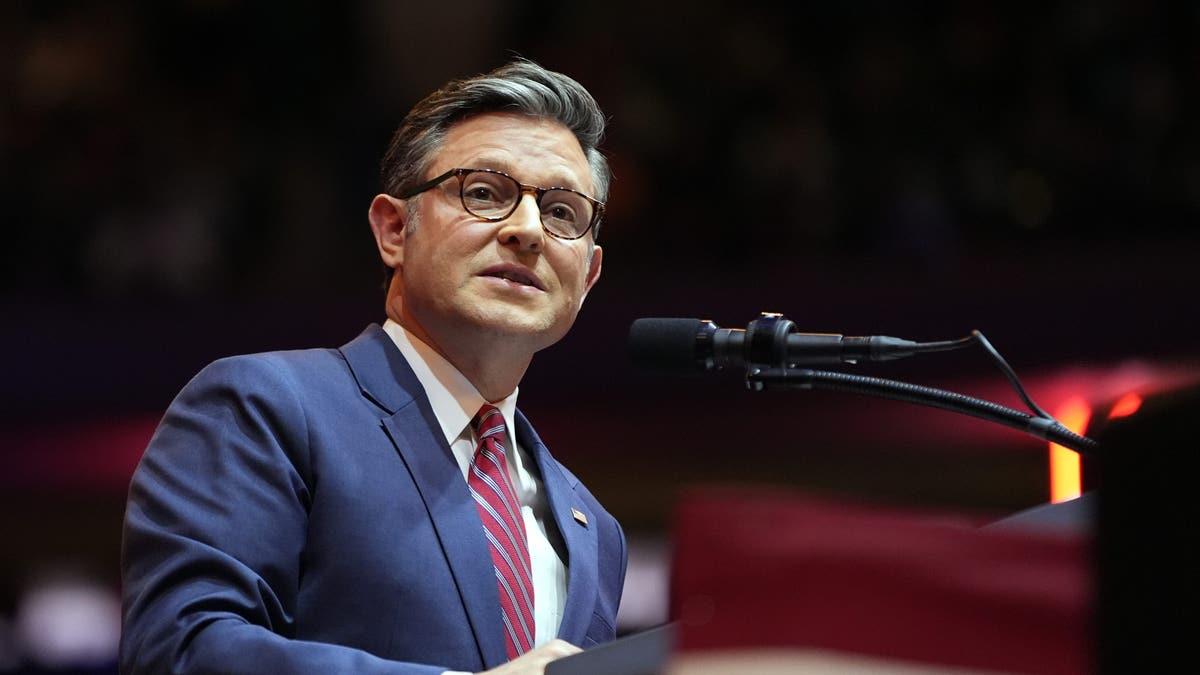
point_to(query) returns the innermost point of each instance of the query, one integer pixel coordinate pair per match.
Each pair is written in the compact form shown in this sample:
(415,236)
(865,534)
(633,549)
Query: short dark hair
(520,86)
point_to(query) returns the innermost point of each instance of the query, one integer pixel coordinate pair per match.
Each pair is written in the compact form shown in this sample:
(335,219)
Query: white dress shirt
(455,402)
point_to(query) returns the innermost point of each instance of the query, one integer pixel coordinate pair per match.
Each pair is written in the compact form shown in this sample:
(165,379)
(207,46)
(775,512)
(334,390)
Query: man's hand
(533,662)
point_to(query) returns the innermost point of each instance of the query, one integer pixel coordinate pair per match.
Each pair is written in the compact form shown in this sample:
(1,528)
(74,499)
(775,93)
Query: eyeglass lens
(495,196)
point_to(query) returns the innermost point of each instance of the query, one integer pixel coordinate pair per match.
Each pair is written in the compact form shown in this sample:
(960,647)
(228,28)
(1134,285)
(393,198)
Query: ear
(388,217)
(593,273)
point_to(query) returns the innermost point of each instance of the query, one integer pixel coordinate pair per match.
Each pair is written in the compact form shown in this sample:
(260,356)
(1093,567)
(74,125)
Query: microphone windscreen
(665,345)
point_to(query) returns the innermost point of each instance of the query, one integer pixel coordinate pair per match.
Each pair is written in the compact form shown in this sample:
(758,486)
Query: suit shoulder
(280,360)
(298,367)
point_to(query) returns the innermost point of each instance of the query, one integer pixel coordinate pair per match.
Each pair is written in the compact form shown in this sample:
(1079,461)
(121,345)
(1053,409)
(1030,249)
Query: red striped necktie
(500,511)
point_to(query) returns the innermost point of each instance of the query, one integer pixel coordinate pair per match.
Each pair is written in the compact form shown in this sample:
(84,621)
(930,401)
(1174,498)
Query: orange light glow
(1125,406)
(1066,472)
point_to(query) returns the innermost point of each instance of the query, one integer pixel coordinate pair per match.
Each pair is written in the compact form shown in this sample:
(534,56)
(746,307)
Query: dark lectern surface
(643,653)
(1075,515)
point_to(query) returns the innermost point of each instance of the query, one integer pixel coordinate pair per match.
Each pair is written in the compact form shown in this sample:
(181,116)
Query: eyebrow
(503,165)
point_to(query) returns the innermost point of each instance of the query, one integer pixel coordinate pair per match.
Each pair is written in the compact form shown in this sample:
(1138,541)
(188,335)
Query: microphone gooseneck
(776,356)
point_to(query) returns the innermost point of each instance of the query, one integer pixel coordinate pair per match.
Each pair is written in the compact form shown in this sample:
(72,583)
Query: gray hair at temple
(520,86)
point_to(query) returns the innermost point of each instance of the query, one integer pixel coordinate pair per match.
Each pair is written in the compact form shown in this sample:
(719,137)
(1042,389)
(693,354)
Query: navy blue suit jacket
(301,512)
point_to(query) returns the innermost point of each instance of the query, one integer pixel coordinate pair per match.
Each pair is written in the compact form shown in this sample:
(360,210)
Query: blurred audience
(158,149)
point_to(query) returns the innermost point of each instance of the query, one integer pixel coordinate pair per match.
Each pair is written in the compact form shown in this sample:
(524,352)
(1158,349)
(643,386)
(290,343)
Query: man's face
(464,279)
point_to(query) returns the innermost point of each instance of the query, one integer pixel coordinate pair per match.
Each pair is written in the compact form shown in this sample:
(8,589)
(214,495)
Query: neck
(493,364)
(493,382)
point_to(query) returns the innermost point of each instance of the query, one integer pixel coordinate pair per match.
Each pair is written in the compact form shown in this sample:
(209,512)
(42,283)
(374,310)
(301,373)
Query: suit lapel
(578,533)
(456,520)
(385,378)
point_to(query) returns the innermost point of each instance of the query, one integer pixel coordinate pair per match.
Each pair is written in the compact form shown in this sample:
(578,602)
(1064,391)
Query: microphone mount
(766,339)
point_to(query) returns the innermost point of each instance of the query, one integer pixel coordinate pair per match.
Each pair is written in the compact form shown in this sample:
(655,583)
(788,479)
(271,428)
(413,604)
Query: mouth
(515,275)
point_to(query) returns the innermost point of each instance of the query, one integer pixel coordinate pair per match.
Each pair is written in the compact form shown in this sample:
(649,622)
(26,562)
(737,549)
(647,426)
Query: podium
(779,578)
(767,581)
(1148,559)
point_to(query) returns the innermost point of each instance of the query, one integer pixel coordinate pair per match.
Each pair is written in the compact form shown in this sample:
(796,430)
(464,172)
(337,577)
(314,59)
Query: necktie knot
(488,423)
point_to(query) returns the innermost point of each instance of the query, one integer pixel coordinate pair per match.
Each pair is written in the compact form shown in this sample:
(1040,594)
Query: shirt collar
(451,395)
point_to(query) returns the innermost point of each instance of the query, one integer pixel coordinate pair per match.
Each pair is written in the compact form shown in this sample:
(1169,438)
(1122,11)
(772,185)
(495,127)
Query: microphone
(690,346)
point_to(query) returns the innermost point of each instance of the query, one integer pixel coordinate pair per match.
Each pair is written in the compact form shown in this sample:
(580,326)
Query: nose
(524,226)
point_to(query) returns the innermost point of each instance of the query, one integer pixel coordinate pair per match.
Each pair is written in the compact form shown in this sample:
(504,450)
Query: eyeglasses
(493,196)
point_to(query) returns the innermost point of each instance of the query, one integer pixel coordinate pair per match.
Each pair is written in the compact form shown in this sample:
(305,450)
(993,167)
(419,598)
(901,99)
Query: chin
(541,331)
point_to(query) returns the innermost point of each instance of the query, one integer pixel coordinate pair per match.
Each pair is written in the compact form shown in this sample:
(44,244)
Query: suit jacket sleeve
(212,551)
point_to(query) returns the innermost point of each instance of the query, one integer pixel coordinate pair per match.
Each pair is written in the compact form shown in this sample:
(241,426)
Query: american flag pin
(579,516)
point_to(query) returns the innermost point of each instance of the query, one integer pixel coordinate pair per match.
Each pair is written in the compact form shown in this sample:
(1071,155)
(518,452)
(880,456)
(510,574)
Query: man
(383,507)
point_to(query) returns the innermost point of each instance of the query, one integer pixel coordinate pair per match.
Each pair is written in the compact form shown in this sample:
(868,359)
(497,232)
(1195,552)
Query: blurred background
(185,180)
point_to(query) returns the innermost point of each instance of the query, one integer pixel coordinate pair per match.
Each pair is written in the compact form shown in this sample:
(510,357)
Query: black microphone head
(666,345)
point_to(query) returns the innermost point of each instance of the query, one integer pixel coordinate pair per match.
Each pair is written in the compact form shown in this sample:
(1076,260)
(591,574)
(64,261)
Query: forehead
(533,150)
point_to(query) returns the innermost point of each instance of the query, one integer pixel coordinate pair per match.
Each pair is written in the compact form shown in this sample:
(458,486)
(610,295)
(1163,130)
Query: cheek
(574,266)
(425,273)
(444,259)
(573,275)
